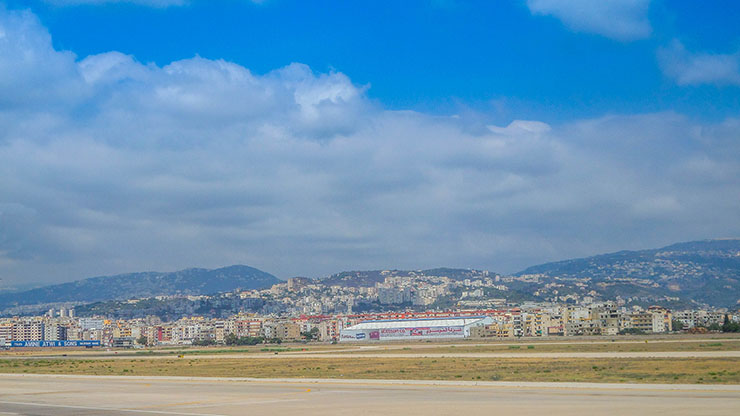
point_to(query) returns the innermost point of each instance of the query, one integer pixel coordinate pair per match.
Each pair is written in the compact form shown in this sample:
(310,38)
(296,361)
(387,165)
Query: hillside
(701,271)
(680,275)
(146,284)
(368,278)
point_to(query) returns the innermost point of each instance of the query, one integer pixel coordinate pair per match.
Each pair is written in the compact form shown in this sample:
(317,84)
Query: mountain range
(692,273)
(140,285)
(705,271)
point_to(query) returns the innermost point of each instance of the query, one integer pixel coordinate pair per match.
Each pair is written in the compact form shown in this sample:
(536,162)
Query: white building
(410,329)
(91,323)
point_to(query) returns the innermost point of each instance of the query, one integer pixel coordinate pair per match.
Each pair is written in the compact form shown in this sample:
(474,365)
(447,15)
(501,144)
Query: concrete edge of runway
(430,383)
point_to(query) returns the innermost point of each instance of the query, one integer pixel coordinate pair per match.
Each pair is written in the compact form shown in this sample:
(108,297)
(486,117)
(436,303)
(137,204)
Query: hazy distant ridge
(146,284)
(705,271)
(698,271)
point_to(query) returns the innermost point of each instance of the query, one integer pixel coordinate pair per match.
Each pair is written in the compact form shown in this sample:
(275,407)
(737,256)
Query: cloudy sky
(311,137)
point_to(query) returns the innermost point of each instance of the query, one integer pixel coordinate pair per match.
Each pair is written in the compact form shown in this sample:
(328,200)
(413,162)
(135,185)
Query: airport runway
(606,354)
(117,396)
(409,354)
(400,350)
(104,355)
(403,350)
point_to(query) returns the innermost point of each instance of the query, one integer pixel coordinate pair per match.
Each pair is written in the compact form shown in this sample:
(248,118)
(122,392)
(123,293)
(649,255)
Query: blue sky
(310,137)
(435,56)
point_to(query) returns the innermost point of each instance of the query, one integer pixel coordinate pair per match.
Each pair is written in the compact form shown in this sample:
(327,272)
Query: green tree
(677,325)
(250,340)
(729,326)
(231,339)
(204,343)
(311,335)
(142,340)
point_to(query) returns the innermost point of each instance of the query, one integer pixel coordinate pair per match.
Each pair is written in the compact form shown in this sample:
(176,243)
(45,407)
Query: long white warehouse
(435,328)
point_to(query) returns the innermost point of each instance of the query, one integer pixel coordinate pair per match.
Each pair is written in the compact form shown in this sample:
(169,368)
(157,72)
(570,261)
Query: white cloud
(109,165)
(617,19)
(31,71)
(688,68)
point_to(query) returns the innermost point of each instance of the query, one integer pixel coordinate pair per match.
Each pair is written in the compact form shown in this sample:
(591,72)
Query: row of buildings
(527,321)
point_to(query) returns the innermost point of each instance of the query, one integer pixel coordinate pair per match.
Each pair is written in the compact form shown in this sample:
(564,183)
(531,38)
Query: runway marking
(39,393)
(183,404)
(241,402)
(111,409)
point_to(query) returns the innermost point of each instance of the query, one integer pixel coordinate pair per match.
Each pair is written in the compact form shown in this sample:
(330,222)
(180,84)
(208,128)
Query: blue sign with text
(54,343)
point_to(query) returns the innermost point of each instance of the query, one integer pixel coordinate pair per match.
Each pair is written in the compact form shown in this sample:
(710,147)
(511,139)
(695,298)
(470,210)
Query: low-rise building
(405,329)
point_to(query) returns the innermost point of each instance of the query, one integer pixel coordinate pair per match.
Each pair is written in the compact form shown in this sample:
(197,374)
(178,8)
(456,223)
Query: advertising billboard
(426,332)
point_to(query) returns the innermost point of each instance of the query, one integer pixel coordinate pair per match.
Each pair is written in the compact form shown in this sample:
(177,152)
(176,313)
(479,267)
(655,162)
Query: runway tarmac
(406,350)
(102,355)
(116,396)
(410,354)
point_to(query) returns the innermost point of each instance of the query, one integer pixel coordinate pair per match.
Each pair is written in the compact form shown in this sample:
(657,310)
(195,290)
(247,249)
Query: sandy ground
(89,395)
